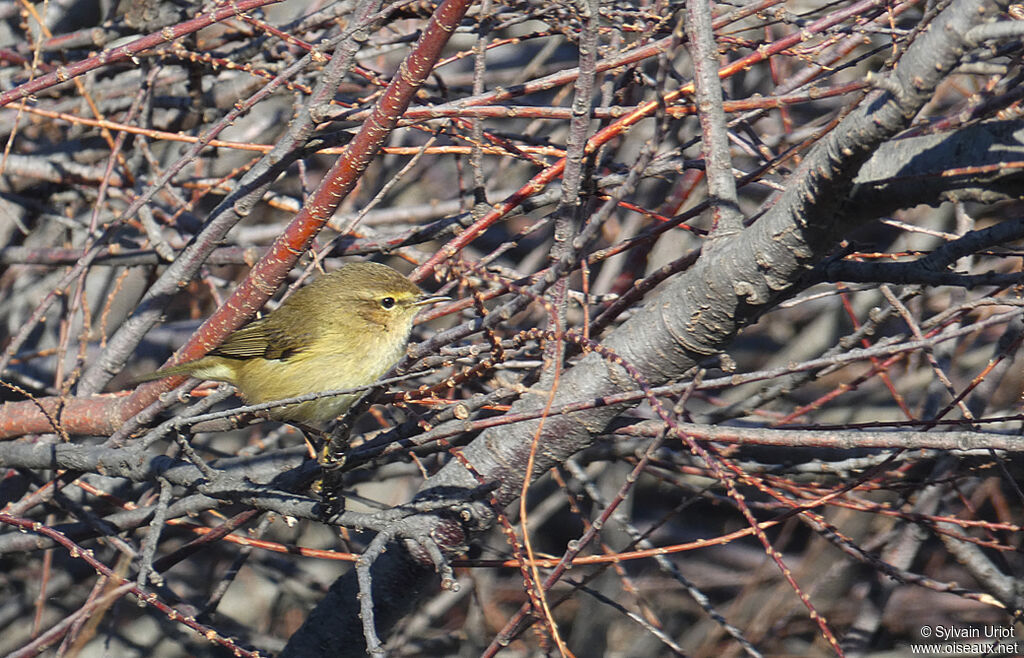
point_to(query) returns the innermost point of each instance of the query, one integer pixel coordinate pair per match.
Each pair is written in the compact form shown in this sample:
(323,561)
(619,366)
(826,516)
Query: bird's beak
(426,301)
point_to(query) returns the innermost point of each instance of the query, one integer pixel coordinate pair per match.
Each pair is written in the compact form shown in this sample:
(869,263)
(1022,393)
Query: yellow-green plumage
(343,330)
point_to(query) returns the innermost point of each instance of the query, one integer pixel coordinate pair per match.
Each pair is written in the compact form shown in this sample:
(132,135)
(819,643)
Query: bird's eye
(388,302)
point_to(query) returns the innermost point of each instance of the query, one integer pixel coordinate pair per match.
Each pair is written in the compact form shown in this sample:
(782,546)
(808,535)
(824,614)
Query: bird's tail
(180,369)
(209,367)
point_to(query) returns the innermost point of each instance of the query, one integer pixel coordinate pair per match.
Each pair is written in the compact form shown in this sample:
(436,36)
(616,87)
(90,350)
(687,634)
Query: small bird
(343,330)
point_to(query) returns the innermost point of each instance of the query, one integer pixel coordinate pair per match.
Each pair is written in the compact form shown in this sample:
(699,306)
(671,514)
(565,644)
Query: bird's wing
(263,338)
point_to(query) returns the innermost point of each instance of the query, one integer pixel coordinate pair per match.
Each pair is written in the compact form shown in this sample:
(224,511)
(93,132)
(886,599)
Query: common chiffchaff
(343,330)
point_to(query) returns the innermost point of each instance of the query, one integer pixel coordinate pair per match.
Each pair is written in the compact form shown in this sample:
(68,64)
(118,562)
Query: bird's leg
(316,439)
(332,459)
(328,484)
